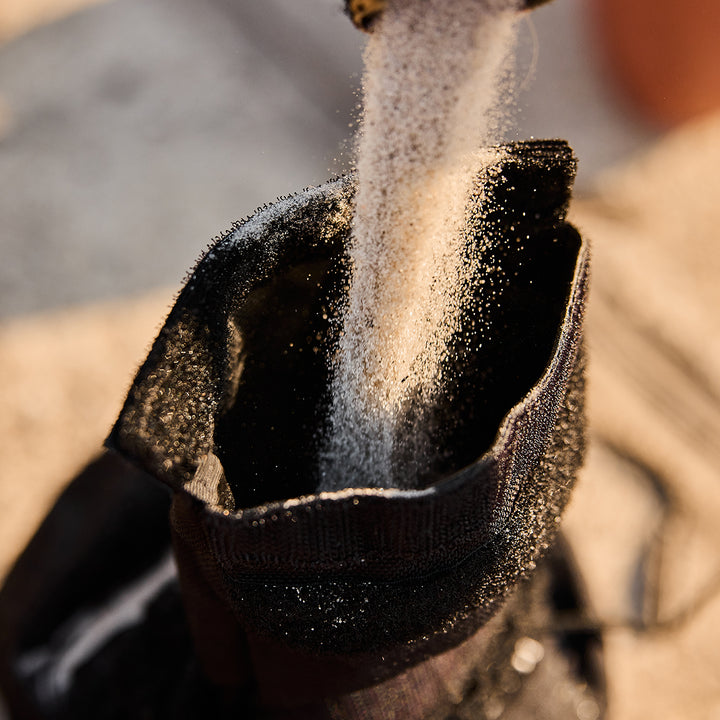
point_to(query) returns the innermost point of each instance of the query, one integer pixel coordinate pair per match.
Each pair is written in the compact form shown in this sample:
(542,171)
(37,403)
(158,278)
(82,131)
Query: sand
(435,75)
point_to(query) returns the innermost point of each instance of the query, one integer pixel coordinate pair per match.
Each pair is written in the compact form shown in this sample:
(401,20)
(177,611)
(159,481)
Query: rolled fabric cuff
(228,409)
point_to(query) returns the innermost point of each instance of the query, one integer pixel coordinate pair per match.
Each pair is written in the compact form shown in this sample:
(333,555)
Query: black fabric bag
(346,604)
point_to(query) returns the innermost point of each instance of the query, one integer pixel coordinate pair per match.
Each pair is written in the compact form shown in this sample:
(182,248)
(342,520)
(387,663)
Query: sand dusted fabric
(358,603)
(228,407)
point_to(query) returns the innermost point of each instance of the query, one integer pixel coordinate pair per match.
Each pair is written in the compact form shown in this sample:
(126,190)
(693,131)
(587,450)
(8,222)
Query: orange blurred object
(664,54)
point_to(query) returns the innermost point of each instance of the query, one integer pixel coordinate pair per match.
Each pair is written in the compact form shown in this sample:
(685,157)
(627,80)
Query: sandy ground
(650,496)
(65,378)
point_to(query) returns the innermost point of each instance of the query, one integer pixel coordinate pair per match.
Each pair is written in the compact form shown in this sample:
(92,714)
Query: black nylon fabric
(230,405)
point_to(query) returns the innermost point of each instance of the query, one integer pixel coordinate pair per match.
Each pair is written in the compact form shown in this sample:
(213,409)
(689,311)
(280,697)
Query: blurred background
(134,131)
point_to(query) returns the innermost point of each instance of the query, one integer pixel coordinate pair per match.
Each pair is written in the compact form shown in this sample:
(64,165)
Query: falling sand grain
(433,87)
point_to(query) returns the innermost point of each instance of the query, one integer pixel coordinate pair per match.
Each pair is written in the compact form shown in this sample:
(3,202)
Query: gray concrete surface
(138,129)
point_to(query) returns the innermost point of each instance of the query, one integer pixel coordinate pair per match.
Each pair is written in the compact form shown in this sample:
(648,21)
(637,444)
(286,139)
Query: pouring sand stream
(434,82)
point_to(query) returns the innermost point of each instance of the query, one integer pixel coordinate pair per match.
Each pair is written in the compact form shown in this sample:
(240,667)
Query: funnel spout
(363,13)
